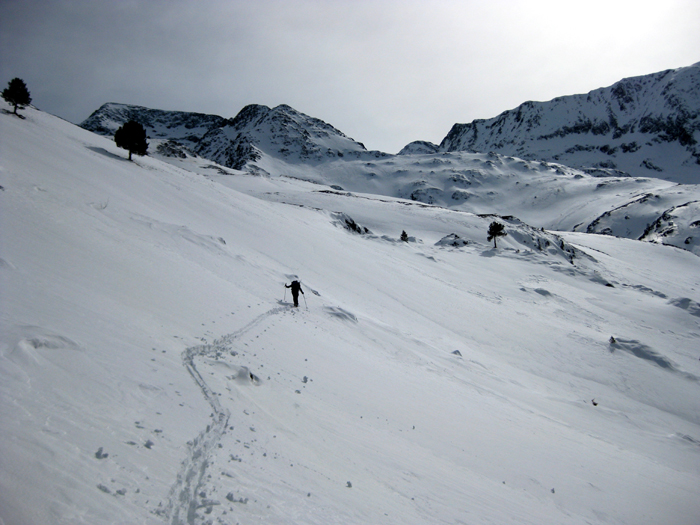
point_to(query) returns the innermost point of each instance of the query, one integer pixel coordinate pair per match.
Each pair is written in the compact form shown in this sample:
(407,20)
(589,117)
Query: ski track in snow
(183,500)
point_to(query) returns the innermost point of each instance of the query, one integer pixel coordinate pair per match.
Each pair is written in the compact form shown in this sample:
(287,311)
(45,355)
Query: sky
(384,72)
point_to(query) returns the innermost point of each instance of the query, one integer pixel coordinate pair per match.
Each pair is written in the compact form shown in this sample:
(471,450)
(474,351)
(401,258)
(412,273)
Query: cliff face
(641,126)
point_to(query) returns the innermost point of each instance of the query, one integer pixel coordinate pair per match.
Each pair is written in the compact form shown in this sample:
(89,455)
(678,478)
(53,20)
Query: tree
(496,229)
(131,136)
(404,236)
(17,94)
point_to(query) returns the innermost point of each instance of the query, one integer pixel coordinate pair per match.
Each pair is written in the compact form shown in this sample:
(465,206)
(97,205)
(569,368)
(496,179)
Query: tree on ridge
(132,137)
(17,94)
(496,229)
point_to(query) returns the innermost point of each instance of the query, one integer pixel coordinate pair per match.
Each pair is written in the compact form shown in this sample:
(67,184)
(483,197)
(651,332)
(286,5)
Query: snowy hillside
(154,371)
(646,126)
(541,194)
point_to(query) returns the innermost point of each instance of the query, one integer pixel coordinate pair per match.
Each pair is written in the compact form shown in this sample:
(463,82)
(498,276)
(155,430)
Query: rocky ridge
(281,132)
(177,131)
(647,126)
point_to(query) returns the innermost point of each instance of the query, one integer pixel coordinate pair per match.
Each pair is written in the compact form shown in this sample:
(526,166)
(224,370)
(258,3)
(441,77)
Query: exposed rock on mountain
(647,126)
(280,132)
(184,128)
(676,223)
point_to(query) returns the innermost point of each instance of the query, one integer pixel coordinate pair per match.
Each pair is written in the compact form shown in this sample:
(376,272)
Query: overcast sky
(384,72)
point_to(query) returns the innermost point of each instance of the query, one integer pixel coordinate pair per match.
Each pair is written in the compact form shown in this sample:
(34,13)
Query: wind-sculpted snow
(685,303)
(542,194)
(642,351)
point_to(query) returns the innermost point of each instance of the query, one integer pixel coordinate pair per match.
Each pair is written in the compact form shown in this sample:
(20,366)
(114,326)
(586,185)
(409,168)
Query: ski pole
(285,293)
(305,304)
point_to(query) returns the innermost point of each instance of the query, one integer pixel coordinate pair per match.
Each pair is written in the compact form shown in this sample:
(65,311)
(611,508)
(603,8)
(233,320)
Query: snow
(284,142)
(641,126)
(154,371)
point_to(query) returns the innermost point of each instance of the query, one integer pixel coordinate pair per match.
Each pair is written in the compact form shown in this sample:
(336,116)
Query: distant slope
(645,126)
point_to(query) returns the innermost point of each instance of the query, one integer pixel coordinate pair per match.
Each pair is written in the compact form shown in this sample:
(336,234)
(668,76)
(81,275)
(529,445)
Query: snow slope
(153,370)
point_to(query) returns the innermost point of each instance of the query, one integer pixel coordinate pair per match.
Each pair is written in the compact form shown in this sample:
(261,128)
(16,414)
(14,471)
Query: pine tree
(496,229)
(132,136)
(404,236)
(17,94)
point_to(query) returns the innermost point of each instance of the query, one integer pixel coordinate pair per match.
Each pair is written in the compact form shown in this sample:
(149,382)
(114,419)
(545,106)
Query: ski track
(183,500)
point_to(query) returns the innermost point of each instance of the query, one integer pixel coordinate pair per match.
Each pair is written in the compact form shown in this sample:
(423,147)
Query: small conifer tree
(496,229)
(17,94)
(132,137)
(404,236)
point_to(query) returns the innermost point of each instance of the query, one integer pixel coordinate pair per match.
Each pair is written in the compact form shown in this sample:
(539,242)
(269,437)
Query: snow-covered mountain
(153,371)
(175,131)
(284,142)
(646,126)
(280,132)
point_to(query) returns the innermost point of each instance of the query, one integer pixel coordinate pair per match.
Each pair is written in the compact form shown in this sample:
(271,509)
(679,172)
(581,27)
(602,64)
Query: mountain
(280,132)
(645,126)
(282,141)
(419,146)
(153,371)
(178,131)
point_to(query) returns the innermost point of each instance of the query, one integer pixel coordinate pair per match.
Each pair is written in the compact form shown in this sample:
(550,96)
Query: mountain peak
(281,132)
(641,126)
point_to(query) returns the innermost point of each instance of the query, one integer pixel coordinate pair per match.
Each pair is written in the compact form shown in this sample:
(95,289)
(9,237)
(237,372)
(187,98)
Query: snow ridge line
(183,499)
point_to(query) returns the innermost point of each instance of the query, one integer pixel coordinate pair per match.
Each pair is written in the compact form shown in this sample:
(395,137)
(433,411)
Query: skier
(296,288)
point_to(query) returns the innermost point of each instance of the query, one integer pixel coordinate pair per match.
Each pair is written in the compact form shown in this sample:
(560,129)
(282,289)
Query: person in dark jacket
(296,288)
